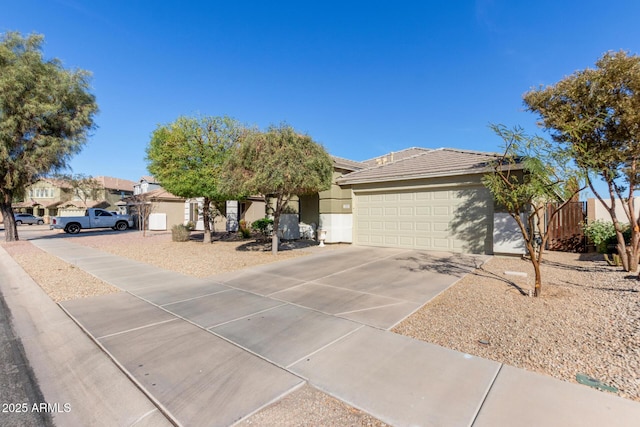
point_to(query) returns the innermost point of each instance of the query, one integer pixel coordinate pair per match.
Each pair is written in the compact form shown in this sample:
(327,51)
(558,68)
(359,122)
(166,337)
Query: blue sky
(363,77)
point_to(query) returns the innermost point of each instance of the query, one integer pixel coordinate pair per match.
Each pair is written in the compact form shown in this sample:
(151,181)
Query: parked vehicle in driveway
(93,218)
(23,218)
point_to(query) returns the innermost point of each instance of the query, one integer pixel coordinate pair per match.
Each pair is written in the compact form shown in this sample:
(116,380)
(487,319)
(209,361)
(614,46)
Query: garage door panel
(441,244)
(423,210)
(391,226)
(391,211)
(406,226)
(405,211)
(376,225)
(424,219)
(422,226)
(440,226)
(407,241)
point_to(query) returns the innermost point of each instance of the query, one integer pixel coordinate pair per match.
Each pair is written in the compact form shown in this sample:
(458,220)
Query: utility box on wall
(158,221)
(507,237)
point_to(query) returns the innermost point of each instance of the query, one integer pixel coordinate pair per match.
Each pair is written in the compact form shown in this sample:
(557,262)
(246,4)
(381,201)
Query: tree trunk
(535,260)
(10,229)
(275,241)
(206,218)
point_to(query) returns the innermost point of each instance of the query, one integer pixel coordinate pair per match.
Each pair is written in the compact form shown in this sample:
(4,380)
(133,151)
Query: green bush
(264,226)
(603,233)
(180,233)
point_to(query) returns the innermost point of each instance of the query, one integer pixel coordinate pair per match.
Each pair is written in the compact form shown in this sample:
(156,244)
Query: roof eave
(347,180)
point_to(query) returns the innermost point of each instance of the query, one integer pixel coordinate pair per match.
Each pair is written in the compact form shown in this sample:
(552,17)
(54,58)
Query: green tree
(528,177)
(278,164)
(46,113)
(187,158)
(596,113)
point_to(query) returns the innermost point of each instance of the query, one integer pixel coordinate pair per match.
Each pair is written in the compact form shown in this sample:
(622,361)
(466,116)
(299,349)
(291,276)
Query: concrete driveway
(374,286)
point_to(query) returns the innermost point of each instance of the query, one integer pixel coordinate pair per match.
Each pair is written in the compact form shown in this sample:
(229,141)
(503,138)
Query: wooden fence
(565,229)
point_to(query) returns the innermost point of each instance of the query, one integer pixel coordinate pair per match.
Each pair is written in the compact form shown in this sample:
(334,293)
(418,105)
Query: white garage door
(437,219)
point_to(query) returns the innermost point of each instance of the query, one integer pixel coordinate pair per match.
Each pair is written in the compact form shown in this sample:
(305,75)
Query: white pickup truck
(94,218)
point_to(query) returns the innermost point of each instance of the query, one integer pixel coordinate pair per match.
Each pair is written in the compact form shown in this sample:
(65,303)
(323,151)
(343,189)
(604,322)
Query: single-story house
(418,198)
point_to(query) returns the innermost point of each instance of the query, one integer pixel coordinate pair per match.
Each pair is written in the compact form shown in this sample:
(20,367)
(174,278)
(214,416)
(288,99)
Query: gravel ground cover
(587,320)
(193,257)
(309,407)
(60,280)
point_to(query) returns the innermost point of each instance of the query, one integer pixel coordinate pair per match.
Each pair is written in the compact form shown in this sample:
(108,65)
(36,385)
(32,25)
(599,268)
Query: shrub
(603,233)
(264,226)
(245,230)
(180,233)
(190,226)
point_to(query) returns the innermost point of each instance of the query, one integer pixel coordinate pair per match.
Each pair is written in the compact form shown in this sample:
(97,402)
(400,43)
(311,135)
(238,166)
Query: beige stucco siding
(453,214)
(173,209)
(335,200)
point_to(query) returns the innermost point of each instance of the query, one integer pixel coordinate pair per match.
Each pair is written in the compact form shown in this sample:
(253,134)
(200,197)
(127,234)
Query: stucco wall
(595,210)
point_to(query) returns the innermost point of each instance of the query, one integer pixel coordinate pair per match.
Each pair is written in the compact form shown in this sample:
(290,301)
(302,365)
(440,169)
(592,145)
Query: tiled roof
(81,204)
(424,164)
(394,156)
(111,183)
(148,178)
(350,165)
(161,193)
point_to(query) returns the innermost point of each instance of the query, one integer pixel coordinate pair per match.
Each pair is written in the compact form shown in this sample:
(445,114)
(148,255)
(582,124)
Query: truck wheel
(73,228)
(40,222)
(121,226)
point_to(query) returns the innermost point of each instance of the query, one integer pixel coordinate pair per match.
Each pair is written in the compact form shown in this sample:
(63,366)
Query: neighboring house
(145,185)
(109,195)
(44,197)
(49,197)
(423,199)
(162,209)
(169,209)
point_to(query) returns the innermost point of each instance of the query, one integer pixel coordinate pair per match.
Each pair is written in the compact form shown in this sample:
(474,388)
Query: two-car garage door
(443,219)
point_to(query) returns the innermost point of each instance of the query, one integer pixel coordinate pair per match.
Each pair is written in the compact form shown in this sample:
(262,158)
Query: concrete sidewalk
(81,385)
(214,351)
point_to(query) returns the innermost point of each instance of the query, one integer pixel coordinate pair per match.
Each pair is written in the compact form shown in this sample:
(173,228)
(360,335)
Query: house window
(41,193)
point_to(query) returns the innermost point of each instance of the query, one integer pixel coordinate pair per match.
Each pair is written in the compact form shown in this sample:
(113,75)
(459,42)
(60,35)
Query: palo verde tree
(530,176)
(46,113)
(187,158)
(278,164)
(596,114)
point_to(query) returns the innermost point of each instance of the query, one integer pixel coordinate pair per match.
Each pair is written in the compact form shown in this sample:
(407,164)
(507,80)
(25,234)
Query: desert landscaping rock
(587,320)
(60,280)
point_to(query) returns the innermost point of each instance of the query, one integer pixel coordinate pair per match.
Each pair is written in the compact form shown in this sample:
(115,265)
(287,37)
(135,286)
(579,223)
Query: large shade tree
(596,113)
(530,180)
(278,164)
(46,114)
(187,158)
